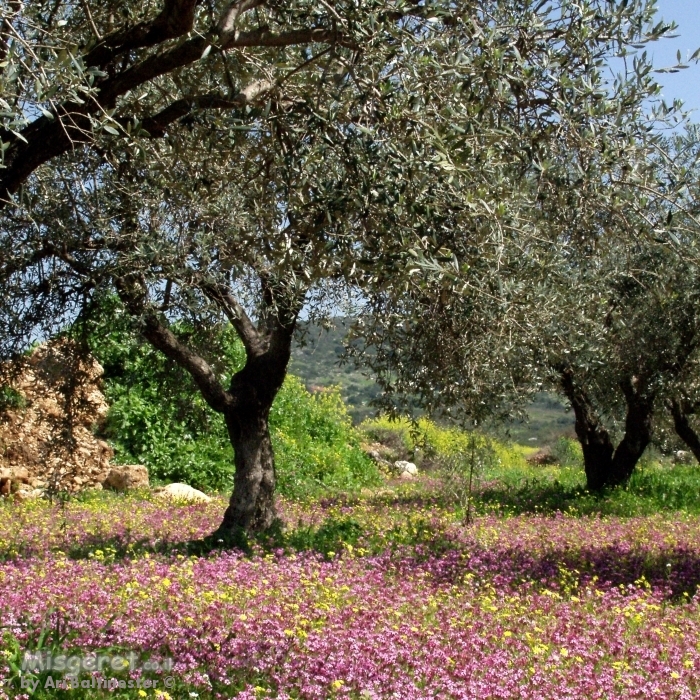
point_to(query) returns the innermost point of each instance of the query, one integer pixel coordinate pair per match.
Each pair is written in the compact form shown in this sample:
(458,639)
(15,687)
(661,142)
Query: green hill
(318,363)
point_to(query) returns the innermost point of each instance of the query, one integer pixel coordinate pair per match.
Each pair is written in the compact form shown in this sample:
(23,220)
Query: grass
(653,488)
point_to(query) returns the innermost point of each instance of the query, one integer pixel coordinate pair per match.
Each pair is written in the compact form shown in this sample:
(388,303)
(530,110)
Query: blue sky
(686,83)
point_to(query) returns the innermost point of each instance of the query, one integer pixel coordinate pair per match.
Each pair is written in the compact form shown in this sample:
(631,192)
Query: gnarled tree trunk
(683,427)
(638,431)
(595,440)
(252,504)
(604,465)
(246,404)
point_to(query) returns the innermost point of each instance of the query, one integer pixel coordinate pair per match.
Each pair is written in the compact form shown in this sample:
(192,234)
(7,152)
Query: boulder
(125,477)
(542,458)
(28,495)
(407,476)
(182,492)
(403,467)
(20,474)
(682,457)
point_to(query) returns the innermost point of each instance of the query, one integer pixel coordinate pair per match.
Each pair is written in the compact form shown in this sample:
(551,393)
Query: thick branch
(133,296)
(174,20)
(255,344)
(158,123)
(167,342)
(49,137)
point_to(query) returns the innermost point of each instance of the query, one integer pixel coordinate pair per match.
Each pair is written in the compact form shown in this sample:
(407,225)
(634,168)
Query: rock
(403,467)
(407,475)
(28,494)
(28,431)
(20,474)
(5,474)
(182,492)
(125,477)
(682,457)
(542,458)
(381,454)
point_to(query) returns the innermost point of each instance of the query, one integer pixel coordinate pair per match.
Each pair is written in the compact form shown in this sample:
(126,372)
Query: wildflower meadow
(386,593)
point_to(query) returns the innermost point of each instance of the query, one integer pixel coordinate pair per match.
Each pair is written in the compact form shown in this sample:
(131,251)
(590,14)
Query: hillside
(318,364)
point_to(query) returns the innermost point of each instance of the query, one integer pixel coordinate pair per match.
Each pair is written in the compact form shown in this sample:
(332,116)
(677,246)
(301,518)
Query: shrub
(158,418)
(568,452)
(11,399)
(316,446)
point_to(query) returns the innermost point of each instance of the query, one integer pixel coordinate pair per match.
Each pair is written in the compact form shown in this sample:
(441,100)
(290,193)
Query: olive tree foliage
(74,72)
(604,310)
(301,149)
(454,334)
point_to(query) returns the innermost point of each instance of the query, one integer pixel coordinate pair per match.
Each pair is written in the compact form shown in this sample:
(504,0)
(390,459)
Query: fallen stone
(182,492)
(403,467)
(28,495)
(126,477)
(20,474)
(406,476)
(682,457)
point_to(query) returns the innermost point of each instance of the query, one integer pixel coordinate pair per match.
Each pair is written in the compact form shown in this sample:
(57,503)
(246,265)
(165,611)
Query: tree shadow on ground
(674,570)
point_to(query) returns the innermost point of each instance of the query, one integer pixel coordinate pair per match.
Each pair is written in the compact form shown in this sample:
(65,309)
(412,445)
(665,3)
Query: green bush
(11,399)
(316,446)
(568,452)
(158,418)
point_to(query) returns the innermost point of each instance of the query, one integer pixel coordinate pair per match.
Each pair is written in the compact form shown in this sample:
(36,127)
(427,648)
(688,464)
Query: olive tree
(410,139)
(602,309)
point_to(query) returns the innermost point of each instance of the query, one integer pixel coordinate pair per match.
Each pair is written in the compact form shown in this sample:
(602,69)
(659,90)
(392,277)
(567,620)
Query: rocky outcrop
(51,405)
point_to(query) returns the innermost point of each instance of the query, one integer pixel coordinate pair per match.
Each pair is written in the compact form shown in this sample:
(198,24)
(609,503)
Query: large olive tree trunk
(605,465)
(252,504)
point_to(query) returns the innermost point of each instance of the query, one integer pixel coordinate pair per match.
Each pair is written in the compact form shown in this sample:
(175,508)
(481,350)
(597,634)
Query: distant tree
(603,308)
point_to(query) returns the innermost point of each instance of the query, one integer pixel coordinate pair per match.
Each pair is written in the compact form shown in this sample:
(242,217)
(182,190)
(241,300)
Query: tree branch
(133,294)
(157,124)
(48,137)
(255,344)
(174,20)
